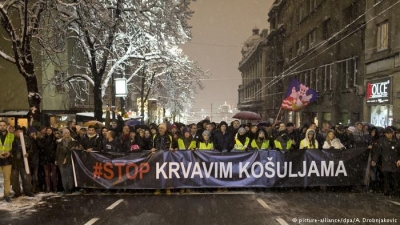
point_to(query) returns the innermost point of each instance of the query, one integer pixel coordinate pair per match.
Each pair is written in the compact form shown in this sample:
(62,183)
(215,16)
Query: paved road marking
(92,221)
(219,193)
(263,204)
(281,221)
(115,204)
(397,203)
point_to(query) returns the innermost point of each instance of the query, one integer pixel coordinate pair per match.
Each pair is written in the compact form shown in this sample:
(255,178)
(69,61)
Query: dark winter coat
(93,142)
(34,152)
(223,141)
(147,143)
(389,152)
(48,146)
(16,153)
(163,142)
(112,146)
(294,135)
(361,139)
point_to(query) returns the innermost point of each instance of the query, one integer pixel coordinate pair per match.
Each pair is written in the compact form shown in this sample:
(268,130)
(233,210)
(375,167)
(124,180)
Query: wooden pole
(277,116)
(21,136)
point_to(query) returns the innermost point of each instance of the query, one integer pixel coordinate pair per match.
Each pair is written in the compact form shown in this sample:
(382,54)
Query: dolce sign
(378,92)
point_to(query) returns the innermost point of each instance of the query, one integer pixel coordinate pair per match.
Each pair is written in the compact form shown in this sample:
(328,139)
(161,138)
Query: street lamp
(121,90)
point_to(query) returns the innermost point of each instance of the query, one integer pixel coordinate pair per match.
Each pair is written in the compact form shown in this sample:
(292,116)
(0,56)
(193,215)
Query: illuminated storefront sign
(379,91)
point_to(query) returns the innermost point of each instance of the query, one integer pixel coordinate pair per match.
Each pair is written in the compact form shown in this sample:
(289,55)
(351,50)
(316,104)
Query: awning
(14,113)
(91,115)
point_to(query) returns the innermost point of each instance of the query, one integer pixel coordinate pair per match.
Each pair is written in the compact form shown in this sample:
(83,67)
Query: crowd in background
(49,150)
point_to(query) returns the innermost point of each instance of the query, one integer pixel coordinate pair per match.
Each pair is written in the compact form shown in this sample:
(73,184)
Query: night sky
(220,27)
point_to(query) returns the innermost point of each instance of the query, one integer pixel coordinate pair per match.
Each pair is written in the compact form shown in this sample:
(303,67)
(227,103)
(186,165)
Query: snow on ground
(22,204)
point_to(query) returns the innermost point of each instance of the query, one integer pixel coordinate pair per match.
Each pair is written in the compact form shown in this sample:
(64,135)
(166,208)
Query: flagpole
(277,116)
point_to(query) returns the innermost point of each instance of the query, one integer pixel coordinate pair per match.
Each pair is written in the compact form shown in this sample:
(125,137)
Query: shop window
(379,115)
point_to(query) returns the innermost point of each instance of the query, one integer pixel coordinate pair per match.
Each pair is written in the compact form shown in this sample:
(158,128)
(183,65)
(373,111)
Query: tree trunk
(142,99)
(98,101)
(34,98)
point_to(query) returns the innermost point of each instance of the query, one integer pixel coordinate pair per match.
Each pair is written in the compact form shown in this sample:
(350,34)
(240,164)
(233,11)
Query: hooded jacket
(260,144)
(306,143)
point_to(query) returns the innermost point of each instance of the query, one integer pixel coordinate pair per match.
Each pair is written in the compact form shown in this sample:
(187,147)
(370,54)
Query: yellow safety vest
(204,146)
(304,143)
(239,145)
(7,145)
(279,146)
(181,145)
(264,145)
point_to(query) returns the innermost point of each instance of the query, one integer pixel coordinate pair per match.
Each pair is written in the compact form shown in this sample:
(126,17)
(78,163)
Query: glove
(332,148)
(305,148)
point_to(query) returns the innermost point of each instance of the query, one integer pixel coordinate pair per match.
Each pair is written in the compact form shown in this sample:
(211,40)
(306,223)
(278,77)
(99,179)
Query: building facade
(251,93)
(382,63)
(320,43)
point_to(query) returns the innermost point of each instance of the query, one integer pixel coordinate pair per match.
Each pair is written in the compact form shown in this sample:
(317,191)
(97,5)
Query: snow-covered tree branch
(21,22)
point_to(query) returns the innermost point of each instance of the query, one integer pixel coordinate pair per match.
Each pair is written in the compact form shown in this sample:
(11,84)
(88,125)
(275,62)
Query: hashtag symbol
(97,170)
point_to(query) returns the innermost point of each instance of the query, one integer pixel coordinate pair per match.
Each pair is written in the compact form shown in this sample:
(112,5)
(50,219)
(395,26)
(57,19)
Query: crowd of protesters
(49,150)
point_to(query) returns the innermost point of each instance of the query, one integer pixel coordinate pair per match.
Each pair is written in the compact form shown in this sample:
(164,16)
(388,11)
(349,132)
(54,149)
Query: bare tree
(112,34)
(173,82)
(21,22)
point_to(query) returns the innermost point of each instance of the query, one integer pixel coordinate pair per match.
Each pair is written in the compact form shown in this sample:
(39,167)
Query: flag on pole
(298,96)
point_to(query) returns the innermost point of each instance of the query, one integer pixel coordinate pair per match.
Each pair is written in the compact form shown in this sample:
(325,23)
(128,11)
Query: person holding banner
(332,142)
(261,142)
(310,141)
(241,140)
(6,143)
(112,143)
(206,143)
(134,143)
(186,142)
(65,146)
(223,138)
(283,142)
(162,141)
(18,165)
(91,141)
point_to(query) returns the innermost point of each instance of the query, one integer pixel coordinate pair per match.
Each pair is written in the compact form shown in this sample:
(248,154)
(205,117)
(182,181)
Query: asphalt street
(233,207)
